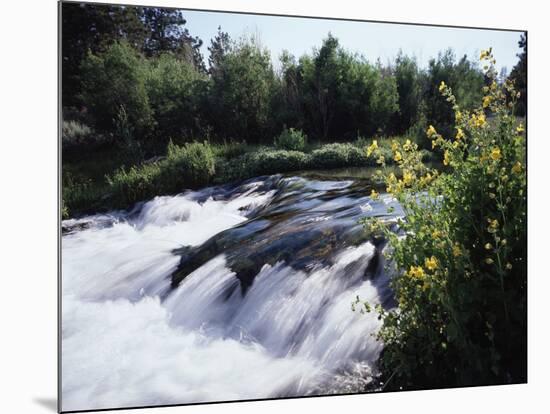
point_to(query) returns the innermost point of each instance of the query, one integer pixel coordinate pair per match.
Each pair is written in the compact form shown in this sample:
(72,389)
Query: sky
(372,40)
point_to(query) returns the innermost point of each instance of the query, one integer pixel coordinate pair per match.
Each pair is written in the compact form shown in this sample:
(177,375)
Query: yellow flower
(459,134)
(520,129)
(508,266)
(431,263)
(489,260)
(431,131)
(392,179)
(495,154)
(457,251)
(487,101)
(374,194)
(442,86)
(407,178)
(493,225)
(458,116)
(516,169)
(446,158)
(416,272)
(397,157)
(488,246)
(372,147)
(427,179)
(436,234)
(480,121)
(407,145)
(483,54)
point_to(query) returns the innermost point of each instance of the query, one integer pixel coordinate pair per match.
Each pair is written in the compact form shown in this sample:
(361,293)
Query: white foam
(119,353)
(122,347)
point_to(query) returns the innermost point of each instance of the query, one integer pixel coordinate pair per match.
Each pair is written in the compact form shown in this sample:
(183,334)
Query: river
(233,292)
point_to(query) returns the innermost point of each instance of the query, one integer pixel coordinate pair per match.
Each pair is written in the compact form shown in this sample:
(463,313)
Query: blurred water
(228,293)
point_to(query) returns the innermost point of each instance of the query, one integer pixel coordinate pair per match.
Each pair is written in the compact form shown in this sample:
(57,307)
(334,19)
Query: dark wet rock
(305,225)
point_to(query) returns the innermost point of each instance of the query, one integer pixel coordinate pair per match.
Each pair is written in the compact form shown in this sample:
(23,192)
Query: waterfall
(228,293)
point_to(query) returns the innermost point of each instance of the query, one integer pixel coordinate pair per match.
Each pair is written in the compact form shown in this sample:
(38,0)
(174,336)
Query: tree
(287,102)
(409,89)
(174,89)
(219,47)
(519,76)
(93,28)
(343,95)
(113,81)
(241,92)
(166,33)
(89,27)
(463,77)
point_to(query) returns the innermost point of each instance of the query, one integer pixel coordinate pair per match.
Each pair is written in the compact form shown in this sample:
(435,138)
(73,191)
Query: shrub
(189,166)
(193,162)
(291,140)
(79,193)
(272,162)
(362,142)
(230,149)
(260,162)
(135,184)
(73,133)
(460,274)
(338,155)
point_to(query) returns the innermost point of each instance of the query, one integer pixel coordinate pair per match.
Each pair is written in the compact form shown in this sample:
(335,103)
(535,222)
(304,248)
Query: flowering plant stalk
(460,272)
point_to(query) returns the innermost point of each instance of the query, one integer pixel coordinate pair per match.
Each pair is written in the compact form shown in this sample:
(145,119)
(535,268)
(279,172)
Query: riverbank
(103,179)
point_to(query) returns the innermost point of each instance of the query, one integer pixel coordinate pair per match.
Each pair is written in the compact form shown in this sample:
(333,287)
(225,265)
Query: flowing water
(228,293)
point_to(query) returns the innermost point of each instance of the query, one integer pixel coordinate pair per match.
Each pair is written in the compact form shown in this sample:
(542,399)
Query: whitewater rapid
(131,337)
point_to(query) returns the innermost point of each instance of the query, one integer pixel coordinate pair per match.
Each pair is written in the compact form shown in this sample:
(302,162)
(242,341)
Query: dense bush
(231,149)
(291,139)
(80,193)
(338,155)
(134,184)
(261,162)
(193,162)
(73,134)
(461,271)
(277,161)
(189,166)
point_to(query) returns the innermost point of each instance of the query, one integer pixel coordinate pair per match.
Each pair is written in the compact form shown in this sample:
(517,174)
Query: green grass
(105,179)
